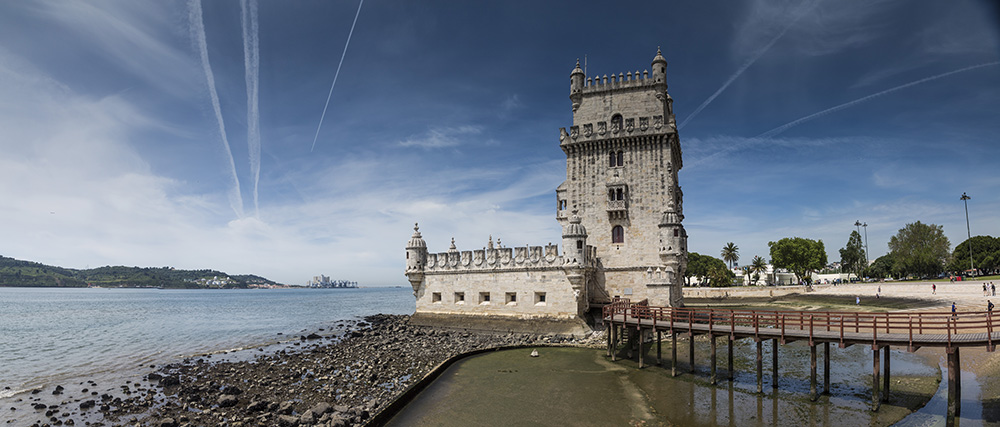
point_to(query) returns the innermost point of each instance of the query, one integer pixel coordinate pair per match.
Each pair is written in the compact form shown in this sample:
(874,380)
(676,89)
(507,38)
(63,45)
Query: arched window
(618,194)
(621,158)
(618,234)
(611,159)
(611,194)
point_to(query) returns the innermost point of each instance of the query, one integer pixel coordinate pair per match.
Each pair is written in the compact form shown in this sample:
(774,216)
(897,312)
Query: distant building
(620,209)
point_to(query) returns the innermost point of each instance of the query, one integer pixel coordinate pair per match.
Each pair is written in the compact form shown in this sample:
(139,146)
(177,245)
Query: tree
(852,256)
(757,265)
(799,255)
(920,249)
(702,266)
(882,267)
(719,275)
(730,253)
(985,254)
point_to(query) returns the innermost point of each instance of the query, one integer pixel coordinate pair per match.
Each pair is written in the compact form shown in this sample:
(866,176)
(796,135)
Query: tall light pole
(865,225)
(965,198)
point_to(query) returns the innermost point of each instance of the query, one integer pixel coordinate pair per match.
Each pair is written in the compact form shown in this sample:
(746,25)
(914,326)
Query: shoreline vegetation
(19,273)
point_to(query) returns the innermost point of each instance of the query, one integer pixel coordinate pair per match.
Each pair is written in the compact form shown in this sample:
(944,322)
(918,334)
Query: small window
(459,297)
(612,160)
(436,297)
(611,194)
(511,298)
(579,244)
(539,298)
(618,234)
(676,232)
(619,194)
(484,298)
(621,158)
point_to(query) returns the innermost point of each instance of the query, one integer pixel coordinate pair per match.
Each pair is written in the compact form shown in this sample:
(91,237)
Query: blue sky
(810,116)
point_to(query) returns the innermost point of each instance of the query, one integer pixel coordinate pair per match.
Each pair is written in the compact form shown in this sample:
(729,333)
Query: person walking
(857,300)
(934,288)
(994,288)
(984,289)
(989,306)
(954,311)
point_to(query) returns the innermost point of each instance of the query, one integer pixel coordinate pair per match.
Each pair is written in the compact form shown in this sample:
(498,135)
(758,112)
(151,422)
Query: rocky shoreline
(323,381)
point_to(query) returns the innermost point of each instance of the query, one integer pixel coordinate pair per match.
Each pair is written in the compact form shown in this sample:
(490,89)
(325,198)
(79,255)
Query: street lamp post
(965,198)
(865,225)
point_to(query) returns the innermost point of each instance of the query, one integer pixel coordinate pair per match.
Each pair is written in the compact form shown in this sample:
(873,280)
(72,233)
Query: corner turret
(576,85)
(416,259)
(574,241)
(659,69)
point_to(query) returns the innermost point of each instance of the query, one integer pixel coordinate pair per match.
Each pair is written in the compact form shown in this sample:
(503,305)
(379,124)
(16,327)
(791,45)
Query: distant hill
(18,273)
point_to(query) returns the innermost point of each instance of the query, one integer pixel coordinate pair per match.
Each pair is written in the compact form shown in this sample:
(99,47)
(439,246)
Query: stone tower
(622,159)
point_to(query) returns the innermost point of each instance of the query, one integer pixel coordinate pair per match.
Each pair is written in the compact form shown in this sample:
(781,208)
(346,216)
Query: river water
(68,335)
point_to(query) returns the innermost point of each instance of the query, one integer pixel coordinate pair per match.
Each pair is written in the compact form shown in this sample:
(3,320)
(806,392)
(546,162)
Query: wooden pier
(879,330)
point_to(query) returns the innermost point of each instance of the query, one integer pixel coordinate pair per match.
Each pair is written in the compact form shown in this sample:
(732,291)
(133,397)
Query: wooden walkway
(879,330)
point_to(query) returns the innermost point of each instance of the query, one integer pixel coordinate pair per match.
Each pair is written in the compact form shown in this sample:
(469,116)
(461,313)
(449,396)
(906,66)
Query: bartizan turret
(576,85)
(416,260)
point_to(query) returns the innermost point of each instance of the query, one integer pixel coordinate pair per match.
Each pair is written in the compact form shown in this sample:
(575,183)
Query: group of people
(987,289)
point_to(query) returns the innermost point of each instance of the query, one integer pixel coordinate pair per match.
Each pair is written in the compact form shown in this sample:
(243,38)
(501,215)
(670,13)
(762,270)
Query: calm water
(53,336)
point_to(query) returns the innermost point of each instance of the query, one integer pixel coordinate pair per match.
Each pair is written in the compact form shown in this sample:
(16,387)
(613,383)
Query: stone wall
(537,292)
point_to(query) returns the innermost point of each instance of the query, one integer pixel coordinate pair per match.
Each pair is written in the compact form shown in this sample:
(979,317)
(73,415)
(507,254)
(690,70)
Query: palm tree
(757,266)
(730,253)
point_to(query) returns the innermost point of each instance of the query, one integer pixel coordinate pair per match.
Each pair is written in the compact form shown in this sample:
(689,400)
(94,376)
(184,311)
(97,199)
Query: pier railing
(916,328)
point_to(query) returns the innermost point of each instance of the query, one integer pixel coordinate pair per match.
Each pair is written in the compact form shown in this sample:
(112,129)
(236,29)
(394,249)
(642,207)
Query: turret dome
(574,228)
(416,241)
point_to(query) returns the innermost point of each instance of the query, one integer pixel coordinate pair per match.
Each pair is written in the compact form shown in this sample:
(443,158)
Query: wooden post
(731,368)
(673,353)
(954,383)
(607,333)
(826,368)
(691,352)
(875,372)
(774,363)
(812,373)
(760,366)
(885,376)
(659,343)
(614,342)
(641,340)
(712,340)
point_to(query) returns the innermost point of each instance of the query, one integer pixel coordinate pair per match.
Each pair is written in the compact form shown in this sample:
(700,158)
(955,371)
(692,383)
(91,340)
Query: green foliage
(799,255)
(19,273)
(730,253)
(757,265)
(985,255)
(920,249)
(705,266)
(882,268)
(852,256)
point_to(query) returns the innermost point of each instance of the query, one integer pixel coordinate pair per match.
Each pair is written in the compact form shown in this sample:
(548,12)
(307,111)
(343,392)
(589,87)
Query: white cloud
(441,137)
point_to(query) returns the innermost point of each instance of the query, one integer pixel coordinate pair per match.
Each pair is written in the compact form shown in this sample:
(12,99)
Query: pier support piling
(812,373)
(659,345)
(885,376)
(607,335)
(641,341)
(954,383)
(691,352)
(730,365)
(875,381)
(826,368)
(760,366)
(713,358)
(673,353)
(774,363)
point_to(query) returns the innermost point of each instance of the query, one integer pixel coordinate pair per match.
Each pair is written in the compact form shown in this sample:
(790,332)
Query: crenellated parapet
(503,259)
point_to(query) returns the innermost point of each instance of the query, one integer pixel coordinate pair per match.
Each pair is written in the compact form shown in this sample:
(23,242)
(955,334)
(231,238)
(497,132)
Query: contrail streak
(335,75)
(797,122)
(198,27)
(778,130)
(251,62)
(743,68)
